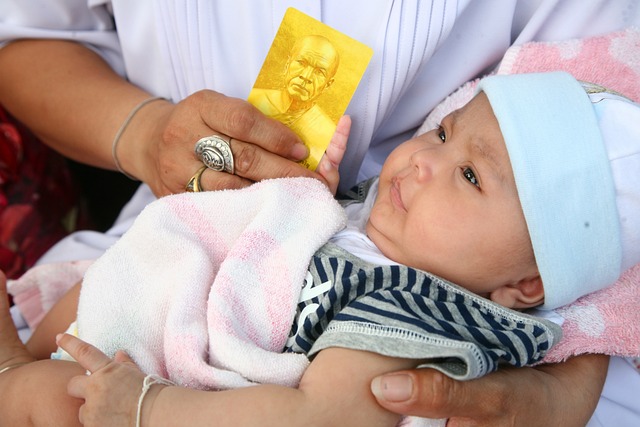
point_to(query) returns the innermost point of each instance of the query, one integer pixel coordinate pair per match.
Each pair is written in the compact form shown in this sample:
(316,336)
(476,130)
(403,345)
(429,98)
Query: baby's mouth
(395,193)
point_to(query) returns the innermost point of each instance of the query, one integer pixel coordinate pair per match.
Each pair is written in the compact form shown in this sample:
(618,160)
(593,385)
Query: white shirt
(353,237)
(423,50)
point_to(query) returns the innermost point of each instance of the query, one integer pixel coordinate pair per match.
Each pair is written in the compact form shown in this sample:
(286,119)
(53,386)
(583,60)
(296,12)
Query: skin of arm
(539,396)
(333,391)
(77,103)
(42,341)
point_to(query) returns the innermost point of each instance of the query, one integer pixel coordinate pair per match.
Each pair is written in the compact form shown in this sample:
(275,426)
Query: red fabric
(39,202)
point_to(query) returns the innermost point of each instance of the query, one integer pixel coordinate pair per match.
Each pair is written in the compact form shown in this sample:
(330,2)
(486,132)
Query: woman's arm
(563,394)
(70,97)
(333,391)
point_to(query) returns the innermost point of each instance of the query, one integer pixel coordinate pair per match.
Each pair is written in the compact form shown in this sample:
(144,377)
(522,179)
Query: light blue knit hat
(577,175)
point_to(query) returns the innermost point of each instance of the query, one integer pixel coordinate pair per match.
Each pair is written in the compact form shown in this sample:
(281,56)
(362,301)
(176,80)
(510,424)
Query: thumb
(425,393)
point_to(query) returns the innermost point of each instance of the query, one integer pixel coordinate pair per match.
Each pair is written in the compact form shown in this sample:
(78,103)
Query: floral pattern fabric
(39,201)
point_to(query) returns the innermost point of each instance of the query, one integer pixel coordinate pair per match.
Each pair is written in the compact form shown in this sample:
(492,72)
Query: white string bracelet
(149,381)
(124,125)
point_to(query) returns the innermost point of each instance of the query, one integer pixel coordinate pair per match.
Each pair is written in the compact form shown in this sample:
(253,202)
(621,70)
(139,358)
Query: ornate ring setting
(215,152)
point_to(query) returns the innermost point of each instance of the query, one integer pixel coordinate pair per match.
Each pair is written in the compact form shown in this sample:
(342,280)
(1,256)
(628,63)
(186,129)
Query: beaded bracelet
(149,381)
(124,125)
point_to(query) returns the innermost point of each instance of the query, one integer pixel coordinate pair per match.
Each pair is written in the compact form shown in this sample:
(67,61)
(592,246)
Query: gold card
(308,78)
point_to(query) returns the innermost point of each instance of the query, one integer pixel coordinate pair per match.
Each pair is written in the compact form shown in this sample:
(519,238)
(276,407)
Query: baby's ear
(524,294)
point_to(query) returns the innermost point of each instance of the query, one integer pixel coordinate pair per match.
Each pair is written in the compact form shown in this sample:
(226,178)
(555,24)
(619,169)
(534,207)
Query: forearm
(67,95)
(333,391)
(42,341)
(263,405)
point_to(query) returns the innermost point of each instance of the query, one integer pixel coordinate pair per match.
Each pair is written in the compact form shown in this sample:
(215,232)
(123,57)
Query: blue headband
(563,178)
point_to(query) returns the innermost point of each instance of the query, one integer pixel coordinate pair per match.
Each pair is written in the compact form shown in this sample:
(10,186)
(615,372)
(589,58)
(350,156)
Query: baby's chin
(367,229)
(377,238)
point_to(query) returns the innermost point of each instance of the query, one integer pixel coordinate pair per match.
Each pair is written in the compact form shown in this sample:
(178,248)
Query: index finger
(242,121)
(89,357)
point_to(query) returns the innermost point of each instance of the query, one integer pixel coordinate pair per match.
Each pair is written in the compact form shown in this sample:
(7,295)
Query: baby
(518,197)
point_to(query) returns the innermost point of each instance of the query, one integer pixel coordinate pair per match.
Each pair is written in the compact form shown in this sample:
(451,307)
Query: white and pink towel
(207,284)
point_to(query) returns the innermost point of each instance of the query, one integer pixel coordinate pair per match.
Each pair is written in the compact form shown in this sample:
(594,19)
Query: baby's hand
(328,166)
(112,389)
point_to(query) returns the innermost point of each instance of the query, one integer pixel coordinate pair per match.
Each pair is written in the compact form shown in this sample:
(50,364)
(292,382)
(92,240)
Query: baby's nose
(426,162)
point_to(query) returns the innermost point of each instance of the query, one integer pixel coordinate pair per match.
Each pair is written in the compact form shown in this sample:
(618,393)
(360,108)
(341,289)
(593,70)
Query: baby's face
(448,204)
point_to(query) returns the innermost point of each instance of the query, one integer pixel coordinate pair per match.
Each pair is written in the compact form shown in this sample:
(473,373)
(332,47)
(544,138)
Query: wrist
(138,136)
(152,385)
(147,404)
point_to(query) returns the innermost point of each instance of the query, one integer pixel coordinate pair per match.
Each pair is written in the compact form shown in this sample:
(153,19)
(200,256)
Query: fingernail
(392,388)
(58,337)
(326,166)
(299,151)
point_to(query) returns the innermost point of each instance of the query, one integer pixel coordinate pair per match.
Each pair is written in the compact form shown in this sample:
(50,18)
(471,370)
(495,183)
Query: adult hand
(541,396)
(262,147)
(112,390)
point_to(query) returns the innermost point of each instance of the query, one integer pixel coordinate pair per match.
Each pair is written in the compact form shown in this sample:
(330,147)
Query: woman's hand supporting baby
(492,401)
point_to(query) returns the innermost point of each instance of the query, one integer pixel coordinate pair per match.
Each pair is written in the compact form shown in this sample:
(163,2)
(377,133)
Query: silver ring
(215,152)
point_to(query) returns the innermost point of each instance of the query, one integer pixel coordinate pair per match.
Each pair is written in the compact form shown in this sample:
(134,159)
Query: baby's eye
(470,176)
(441,134)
